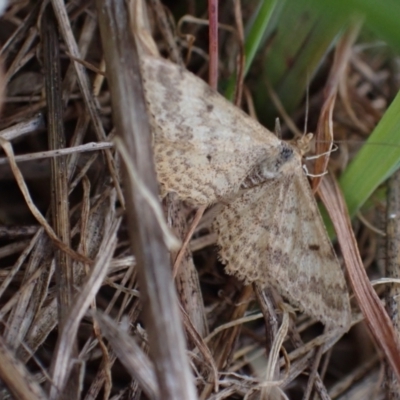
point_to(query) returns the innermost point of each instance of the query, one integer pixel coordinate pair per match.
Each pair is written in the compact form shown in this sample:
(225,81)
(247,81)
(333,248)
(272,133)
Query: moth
(269,229)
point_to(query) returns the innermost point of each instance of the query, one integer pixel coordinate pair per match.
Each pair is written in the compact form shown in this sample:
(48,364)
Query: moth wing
(274,234)
(204,146)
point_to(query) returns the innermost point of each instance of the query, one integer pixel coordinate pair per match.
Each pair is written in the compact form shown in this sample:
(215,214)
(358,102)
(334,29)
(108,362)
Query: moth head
(304,143)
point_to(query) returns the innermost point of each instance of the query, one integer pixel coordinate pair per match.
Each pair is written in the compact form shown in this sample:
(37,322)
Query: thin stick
(213,46)
(196,220)
(87,147)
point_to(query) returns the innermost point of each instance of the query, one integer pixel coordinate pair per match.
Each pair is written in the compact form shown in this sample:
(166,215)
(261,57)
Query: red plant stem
(213,46)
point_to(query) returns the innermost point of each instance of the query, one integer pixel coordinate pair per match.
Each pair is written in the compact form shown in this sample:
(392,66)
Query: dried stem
(166,339)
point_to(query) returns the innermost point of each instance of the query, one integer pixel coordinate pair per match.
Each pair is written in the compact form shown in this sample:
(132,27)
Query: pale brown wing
(204,146)
(274,234)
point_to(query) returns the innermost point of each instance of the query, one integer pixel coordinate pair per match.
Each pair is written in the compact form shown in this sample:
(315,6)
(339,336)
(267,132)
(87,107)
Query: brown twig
(15,375)
(241,61)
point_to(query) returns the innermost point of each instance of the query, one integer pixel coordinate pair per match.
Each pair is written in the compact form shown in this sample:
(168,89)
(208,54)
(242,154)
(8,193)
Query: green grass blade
(257,30)
(254,38)
(374,163)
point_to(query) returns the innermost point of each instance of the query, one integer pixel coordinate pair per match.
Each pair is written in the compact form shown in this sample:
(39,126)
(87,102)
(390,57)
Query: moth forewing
(273,234)
(204,146)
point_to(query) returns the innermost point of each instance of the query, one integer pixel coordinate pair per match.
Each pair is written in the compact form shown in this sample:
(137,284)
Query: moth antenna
(313,175)
(307,105)
(335,147)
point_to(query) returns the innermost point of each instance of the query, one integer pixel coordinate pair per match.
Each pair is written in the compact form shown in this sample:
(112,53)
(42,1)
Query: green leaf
(375,162)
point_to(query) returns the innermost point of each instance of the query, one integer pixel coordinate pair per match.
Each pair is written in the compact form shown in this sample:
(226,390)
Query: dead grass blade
(166,339)
(392,293)
(201,346)
(368,301)
(59,179)
(87,147)
(131,355)
(68,36)
(61,362)
(14,374)
(35,211)
(25,127)
(324,133)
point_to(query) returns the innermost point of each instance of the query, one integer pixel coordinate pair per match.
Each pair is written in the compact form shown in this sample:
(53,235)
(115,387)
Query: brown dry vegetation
(72,313)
